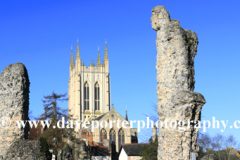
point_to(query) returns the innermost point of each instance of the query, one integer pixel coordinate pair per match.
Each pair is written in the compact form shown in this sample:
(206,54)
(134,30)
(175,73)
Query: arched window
(121,139)
(112,136)
(97,97)
(103,134)
(86,96)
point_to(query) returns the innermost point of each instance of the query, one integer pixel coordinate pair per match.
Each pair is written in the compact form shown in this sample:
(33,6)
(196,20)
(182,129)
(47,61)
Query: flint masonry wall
(176,49)
(14,104)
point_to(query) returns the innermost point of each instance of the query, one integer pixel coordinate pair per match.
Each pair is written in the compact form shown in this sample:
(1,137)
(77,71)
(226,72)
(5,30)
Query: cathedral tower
(88,87)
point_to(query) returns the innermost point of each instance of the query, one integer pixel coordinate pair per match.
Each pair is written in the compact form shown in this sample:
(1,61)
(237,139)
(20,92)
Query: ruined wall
(176,49)
(23,149)
(14,104)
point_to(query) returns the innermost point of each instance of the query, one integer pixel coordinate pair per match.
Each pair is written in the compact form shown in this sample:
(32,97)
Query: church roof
(133,149)
(96,151)
(111,111)
(100,117)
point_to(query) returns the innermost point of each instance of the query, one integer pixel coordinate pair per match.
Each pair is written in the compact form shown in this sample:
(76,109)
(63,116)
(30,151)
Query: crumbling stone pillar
(176,49)
(14,104)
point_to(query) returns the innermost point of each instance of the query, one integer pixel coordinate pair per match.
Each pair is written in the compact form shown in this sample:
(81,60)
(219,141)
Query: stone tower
(88,87)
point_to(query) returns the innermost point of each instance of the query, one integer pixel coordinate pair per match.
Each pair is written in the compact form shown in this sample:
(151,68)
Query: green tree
(52,110)
(54,113)
(201,154)
(206,142)
(45,148)
(150,150)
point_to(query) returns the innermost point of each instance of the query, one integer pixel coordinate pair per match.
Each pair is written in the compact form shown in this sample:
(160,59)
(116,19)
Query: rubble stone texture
(176,49)
(25,150)
(65,153)
(79,152)
(14,105)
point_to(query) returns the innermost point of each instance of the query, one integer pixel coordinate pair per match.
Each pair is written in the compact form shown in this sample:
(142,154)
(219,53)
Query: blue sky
(40,34)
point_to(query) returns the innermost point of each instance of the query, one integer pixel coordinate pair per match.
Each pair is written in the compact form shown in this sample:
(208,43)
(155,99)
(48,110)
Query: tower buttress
(70,84)
(106,61)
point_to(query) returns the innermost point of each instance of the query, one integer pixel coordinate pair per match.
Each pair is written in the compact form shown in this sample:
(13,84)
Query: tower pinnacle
(106,53)
(78,52)
(71,61)
(98,60)
(126,117)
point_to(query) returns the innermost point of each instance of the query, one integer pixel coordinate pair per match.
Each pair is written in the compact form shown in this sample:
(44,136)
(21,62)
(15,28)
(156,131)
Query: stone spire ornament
(126,117)
(106,52)
(98,60)
(92,63)
(71,61)
(176,49)
(78,52)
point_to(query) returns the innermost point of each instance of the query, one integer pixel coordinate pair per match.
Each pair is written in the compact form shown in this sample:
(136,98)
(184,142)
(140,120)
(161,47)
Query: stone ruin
(23,149)
(14,105)
(176,49)
(14,101)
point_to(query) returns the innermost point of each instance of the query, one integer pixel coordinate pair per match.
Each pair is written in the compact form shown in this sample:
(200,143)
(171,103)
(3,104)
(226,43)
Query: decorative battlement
(80,64)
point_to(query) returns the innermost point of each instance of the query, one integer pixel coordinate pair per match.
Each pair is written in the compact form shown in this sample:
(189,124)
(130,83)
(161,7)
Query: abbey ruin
(14,106)
(14,103)
(176,49)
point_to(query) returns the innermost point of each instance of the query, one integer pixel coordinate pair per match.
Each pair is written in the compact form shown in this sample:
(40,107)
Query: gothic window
(112,136)
(103,134)
(121,139)
(97,97)
(86,96)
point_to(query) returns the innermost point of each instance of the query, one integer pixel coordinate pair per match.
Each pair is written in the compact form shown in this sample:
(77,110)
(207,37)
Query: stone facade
(176,49)
(14,104)
(127,134)
(83,103)
(90,76)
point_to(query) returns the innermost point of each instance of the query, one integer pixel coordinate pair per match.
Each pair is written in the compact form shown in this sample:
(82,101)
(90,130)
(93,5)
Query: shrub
(45,148)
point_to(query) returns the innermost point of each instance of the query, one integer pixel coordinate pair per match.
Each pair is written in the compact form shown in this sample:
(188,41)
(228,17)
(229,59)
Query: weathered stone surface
(14,104)
(176,49)
(79,148)
(25,150)
(65,153)
(74,149)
